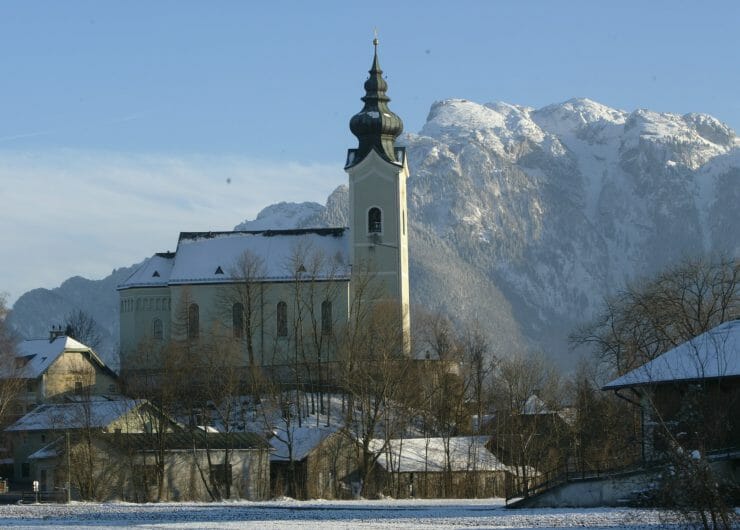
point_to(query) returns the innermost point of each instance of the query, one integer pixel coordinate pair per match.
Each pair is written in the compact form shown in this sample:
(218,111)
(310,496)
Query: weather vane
(375,40)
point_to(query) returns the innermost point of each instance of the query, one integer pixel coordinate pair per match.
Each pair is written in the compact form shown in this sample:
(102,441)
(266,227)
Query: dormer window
(155,274)
(374,221)
(219,270)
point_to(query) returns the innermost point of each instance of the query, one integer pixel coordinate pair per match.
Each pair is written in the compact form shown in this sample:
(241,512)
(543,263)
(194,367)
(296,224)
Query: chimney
(56,331)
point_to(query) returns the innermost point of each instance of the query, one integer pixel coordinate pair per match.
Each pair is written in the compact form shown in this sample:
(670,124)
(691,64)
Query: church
(274,294)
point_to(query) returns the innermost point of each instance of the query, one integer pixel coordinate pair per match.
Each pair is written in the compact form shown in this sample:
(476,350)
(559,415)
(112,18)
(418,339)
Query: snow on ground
(328,515)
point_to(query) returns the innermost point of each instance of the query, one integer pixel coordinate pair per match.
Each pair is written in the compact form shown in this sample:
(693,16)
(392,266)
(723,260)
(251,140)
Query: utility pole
(69,475)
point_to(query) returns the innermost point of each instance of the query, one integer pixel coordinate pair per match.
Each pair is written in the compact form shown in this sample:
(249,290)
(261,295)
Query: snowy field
(326,515)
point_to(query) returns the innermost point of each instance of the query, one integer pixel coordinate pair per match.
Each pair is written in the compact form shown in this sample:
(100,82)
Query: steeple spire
(376,126)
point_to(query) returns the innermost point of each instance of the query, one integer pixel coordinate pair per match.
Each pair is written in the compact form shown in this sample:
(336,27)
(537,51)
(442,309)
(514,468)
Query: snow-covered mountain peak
(497,126)
(457,114)
(577,116)
(690,140)
(288,215)
(711,129)
(282,215)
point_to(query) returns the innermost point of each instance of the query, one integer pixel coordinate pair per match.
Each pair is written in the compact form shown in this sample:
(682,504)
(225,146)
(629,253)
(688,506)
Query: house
(113,449)
(195,466)
(59,366)
(78,417)
(691,392)
(266,294)
(455,467)
(312,463)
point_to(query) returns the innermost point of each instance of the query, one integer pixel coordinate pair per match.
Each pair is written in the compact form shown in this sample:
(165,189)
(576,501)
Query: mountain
(560,206)
(524,219)
(36,311)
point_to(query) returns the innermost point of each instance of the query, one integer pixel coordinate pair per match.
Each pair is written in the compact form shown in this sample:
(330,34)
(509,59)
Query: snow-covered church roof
(275,255)
(711,355)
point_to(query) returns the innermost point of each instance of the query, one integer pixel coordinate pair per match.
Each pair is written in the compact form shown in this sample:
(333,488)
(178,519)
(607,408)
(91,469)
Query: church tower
(377,171)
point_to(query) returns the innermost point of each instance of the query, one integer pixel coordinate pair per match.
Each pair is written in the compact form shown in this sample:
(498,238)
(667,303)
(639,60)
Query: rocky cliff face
(559,206)
(525,219)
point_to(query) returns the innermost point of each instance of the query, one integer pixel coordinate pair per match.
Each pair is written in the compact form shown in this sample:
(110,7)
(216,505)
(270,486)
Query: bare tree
(243,302)
(479,365)
(527,399)
(375,371)
(82,327)
(11,381)
(648,318)
(605,428)
(445,386)
(212,402)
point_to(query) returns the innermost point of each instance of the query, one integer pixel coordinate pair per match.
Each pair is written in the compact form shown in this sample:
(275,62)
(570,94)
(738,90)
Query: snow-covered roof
(303,440)
(35,356)
(213,257)
(61,416)
(413,455)
(713,354)
(154,272)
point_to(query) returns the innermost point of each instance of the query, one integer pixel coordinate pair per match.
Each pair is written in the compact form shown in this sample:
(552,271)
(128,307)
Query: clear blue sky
(132,115)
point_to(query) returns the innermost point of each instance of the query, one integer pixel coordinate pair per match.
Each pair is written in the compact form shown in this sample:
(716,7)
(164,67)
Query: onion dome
(376,126)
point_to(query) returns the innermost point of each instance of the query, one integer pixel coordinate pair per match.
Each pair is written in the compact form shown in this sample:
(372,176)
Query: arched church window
(237,319)
(326,320)
(193,321)
(282,319)
(157,332)
(374,220)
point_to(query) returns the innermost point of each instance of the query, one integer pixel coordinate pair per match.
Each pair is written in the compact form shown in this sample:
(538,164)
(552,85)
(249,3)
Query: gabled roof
(35,356)
(212,257)
(303,440)
(711,355)
(416,455)
(96,414)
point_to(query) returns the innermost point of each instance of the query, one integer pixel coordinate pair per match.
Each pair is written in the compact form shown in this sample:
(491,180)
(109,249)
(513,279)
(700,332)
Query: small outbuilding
(455,467)
(312,463)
